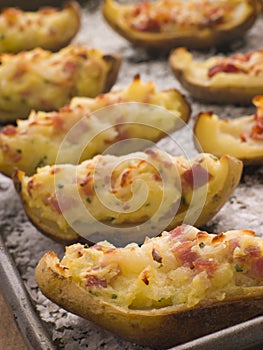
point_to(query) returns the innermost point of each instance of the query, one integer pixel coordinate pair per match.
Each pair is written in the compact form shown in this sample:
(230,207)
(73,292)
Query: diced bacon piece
(256,269)
(183,252)
(223,68)
(9,130)
(88,185)
(178,231)
(94,281)
(156,255)
(205,265)
(196,176)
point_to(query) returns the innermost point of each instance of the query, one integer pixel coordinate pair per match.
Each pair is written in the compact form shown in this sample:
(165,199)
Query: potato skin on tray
(97,123)
(221,80)
(174,288)
(240,137)
(164,25)
(49,28)
(93,199)
(42,80)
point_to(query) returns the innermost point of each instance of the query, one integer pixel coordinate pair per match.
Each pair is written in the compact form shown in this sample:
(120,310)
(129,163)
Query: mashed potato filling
(183,266)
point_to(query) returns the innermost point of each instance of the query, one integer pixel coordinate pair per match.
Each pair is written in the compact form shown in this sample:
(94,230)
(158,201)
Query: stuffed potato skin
(46,131)
(222,80)
(178,190)
(240,137)
(156,35)
(64,283)
(42,80)
(47,28)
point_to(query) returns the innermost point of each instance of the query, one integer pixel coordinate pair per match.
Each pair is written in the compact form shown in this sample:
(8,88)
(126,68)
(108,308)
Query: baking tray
(46,326)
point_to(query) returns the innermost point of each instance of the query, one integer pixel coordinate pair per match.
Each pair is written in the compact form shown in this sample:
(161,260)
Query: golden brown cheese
(151,189)
(240,137)
(219,79)
(166,24)
(42,80)
(182,283)
(47,28)
(46,131)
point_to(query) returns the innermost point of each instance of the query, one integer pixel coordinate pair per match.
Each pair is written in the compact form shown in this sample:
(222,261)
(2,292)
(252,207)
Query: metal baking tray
(46,326)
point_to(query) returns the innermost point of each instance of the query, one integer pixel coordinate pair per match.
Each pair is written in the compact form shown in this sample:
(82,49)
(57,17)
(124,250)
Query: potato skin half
(157,328)
(71,76)
(34,36)
(222,138)
(217,193)
(164,42)
(201,88)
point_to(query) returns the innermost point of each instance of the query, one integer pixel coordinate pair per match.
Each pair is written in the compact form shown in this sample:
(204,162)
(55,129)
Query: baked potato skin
(155,42)
(149,326)
(224,135)
(46,28)
(225,174)
(42,80)
(193,77)
(46,131)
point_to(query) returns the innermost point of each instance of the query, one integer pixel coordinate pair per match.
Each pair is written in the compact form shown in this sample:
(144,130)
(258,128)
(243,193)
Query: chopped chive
(114,296)
(88,199)
(19,151)
(201,244)
(238,268)
(60,185)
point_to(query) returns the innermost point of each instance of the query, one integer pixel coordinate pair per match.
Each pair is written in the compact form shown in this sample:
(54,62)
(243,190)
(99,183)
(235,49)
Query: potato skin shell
(204,120)
(159,42)
(203,92)
(157,328)
(212,204)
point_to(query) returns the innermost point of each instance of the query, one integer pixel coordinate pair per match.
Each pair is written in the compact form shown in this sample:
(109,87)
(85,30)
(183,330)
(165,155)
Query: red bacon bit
(145,277)
(30,186)
(205,265)
(70,67)
(94,281)
(88,185)
(64,203)
(124,178)
(156,255)
(52,202)
(196,176)
(233,244)
(243,138)
(257,129)
(178,231)
(184,253)
(14,155)
(9,130)
(253,251)
(157,177)
(150,25)
(256,269)
(223,68)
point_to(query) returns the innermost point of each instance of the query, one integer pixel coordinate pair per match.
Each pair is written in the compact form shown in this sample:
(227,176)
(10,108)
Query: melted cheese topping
(84,129)
(42,80)
(184,266)
(47,28)
(148,186)
(171,15)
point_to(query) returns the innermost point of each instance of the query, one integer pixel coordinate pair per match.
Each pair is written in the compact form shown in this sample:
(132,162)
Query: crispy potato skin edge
(157,328)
